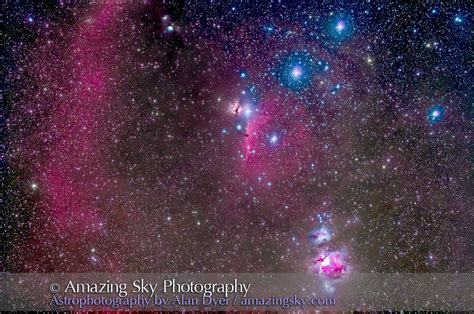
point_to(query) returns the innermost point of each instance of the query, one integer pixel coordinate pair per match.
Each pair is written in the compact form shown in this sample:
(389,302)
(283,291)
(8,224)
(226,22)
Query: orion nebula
(331,265)
(151,136)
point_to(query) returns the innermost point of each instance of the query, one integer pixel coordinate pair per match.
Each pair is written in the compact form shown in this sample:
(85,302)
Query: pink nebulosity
(71,173)
(276,144)
(78,127)
(331,265)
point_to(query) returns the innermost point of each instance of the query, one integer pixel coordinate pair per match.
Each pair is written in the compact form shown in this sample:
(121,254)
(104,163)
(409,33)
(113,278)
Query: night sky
(204,137)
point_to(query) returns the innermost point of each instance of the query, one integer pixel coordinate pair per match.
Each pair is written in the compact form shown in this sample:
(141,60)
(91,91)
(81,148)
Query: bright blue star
(435,114)
(248,111)
(296,70)
(273,139)
(434,11)
(243,74)
(336,88)
(458,19)
(341,27)
(269,29)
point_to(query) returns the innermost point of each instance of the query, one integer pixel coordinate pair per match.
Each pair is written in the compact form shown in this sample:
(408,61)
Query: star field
(199,137)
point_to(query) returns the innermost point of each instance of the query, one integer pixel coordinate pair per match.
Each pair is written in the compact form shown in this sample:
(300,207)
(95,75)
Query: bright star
(296,72)
(458,19)
(435,114)
(340,26)
(273,139)
(243,73)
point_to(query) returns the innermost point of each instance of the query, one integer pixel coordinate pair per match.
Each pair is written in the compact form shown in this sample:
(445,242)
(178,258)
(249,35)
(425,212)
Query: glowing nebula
(320,235)
(331,264)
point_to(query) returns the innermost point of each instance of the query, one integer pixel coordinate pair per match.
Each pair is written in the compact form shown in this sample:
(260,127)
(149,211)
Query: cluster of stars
(139,133)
